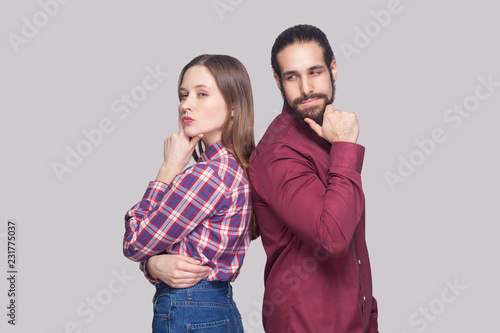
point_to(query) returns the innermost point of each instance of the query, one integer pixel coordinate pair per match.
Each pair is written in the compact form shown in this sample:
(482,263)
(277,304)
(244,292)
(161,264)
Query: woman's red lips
(187,120)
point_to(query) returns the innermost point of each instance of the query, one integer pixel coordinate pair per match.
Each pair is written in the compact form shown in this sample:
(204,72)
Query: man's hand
(177,271)
(337,126)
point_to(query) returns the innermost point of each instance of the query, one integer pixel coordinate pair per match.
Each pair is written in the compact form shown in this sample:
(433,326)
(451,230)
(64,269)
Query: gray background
(439,225)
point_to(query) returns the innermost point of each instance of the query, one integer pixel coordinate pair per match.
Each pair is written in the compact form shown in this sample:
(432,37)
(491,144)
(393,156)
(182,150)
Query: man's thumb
(314,126)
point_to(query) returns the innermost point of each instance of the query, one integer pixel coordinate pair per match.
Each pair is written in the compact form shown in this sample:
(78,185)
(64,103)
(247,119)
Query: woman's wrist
(165,174)
(148,270)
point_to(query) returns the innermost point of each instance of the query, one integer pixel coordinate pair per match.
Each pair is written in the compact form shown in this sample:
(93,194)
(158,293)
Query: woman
(203,212)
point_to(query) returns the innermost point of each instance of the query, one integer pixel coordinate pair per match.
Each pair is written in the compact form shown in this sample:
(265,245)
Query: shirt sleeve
(142,267)
(169,212)
(320,215)
(373,328)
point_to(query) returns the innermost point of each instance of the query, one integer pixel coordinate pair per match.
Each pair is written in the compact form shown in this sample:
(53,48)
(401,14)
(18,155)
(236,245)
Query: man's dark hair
(302,33)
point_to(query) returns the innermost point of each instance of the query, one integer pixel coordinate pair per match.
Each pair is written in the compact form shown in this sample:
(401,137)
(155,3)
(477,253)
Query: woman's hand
(177,271)
(177,151)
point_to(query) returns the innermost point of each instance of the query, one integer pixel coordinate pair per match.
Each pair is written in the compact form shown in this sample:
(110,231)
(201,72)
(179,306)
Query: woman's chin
(190,133)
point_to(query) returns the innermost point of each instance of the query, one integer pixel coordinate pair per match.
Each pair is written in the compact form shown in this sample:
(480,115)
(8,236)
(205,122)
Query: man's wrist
(347,154)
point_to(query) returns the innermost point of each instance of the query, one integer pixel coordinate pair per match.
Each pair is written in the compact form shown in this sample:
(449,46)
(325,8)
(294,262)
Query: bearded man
(305,176)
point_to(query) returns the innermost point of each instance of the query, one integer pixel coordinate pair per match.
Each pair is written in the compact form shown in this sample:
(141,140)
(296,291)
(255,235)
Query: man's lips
(187,120)
(309,102)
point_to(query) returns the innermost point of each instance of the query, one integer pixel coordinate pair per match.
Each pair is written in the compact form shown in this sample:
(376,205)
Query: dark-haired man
(308,198)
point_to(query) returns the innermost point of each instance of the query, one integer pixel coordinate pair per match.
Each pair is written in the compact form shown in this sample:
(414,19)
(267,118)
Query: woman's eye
(202,95)
(183,96)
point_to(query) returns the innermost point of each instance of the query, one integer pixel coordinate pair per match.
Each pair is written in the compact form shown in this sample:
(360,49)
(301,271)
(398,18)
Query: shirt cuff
(142,267)
(347,155)
(155,191)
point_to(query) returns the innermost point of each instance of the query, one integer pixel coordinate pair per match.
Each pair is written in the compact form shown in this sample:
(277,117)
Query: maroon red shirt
(310,207)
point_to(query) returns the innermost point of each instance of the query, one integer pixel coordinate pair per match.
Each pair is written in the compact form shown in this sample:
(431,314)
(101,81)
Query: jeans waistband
(203,284)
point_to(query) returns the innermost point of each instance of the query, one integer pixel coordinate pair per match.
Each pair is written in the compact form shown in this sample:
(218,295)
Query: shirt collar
(302,126)
(215,149)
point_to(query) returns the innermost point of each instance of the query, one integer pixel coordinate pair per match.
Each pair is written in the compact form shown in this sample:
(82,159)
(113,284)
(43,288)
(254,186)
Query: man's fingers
(314,126)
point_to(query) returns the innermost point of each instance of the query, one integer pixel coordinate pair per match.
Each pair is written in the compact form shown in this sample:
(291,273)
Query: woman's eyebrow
(197,86)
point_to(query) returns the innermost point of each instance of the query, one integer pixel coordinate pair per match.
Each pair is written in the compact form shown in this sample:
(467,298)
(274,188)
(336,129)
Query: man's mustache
(299,100)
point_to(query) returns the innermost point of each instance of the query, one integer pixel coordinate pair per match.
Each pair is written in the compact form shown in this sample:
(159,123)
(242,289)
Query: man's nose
(306,86)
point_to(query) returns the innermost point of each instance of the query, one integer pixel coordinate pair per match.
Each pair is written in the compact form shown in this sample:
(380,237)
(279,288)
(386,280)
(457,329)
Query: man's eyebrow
(289,73)
(309,69)
(317,67)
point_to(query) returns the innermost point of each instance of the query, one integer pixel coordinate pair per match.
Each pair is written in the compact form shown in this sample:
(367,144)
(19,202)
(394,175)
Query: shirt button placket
(359,263)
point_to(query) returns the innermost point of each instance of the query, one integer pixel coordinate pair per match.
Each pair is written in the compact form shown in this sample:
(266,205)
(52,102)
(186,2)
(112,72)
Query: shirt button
(359,262)
(364,298)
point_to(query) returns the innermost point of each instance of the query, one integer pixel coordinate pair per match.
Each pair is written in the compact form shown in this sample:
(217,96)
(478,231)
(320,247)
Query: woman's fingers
(177,271)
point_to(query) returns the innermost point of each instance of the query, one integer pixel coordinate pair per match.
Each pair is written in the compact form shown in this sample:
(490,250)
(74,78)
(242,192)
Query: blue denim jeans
(206,307)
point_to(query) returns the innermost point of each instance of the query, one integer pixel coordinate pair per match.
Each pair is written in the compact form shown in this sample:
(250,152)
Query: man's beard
(315,112)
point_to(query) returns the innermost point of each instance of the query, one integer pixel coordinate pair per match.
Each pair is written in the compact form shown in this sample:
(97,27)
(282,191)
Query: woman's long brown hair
(234,84)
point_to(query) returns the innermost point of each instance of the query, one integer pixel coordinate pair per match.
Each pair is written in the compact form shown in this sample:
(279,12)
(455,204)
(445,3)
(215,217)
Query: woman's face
(202,108)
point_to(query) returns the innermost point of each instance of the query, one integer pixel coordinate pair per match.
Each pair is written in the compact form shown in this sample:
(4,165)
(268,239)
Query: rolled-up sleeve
(168,212)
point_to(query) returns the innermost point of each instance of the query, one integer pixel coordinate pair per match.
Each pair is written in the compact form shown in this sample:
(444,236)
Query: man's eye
(291,77)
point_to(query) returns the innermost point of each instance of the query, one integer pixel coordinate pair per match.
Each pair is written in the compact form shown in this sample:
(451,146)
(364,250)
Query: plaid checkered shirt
(204,213)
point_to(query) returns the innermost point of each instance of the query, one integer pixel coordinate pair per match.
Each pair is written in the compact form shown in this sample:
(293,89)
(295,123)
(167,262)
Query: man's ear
(333,68)
(278,81)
